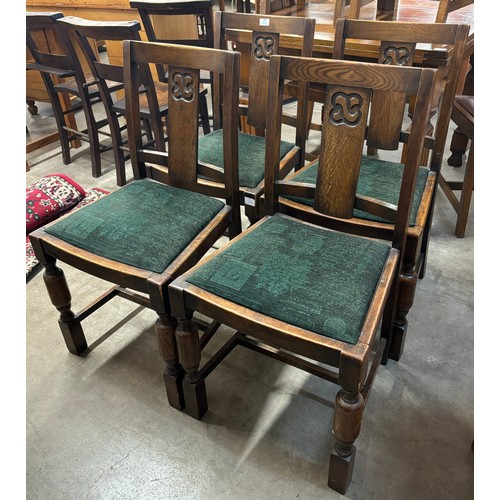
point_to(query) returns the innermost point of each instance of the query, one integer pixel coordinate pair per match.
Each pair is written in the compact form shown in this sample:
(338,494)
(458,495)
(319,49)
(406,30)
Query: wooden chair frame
(203,11)
(447,6)
(84,34)
(355,7)
(405,36)
(139,285)
(354,365)
(462,117)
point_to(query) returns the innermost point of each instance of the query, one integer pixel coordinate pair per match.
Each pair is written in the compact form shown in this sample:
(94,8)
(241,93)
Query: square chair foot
(173,386)
(340,471)
(195,396)
(398,341)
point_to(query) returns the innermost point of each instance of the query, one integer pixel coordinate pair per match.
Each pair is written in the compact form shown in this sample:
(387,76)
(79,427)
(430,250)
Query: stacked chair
(70,86)
(82,35)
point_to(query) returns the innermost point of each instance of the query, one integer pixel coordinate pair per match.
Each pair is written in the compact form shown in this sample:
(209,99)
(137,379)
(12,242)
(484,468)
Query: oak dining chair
(310,294)
(145,234)
(263,33)
(397,43)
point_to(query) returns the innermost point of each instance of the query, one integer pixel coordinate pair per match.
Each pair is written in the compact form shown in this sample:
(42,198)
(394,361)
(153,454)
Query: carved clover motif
(182,87)
(346,109)
(264,47)
(397,56)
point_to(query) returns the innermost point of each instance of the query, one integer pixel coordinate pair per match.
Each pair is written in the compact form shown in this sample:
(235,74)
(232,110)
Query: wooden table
(421,11)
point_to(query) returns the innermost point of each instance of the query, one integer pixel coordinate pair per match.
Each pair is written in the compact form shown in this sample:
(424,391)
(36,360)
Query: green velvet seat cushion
(251,155)
(379,179)
(145,224)
(307,276)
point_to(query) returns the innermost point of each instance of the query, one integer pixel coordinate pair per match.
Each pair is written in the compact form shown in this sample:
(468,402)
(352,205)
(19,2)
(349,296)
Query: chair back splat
(180,166)
(304,289)
(143,235)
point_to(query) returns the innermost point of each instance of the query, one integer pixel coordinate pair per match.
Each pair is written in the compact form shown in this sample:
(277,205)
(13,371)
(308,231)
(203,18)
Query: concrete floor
(99,426)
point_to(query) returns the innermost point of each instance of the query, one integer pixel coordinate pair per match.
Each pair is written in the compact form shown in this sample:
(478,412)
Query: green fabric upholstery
(251,155)
(379,179)
(145,224)
(307,276)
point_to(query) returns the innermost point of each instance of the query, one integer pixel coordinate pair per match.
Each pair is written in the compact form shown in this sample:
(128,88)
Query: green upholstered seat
(307,276)
(145,224)
(251,155)
(379,179)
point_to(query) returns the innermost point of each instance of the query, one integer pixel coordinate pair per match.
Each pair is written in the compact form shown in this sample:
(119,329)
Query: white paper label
(249,201)
(264,22)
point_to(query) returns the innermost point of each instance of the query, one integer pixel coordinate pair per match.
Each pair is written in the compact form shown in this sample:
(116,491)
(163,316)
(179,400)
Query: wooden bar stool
(463,116)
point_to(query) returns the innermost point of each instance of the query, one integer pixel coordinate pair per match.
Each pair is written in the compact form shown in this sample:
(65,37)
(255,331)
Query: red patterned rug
(49,198)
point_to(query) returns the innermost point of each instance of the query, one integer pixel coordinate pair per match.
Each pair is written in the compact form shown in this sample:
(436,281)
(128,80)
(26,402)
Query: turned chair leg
(458,148)
(60,296)
(406,296)
(193,385)
(173,374)
(346,428)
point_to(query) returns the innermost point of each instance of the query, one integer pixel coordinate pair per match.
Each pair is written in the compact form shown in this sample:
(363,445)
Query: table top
(421,11)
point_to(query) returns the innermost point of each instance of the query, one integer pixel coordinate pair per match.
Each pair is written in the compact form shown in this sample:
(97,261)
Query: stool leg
(458,147)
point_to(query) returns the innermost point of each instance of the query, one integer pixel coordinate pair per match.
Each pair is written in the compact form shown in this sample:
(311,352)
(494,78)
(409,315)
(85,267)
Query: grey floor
(99,426)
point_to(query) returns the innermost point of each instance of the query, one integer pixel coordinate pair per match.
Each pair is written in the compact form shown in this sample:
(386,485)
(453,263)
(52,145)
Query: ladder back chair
(380,177)
(84,34)
(305,294)
(143,235)
(70,85)
(263,33)
(196,28)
